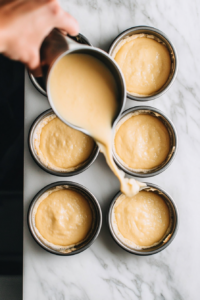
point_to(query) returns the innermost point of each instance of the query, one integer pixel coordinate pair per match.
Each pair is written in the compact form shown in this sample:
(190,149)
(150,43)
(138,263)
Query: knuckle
(55,8)
(23,54)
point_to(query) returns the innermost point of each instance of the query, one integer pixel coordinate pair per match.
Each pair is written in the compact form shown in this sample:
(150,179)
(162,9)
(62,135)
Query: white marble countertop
(105,271)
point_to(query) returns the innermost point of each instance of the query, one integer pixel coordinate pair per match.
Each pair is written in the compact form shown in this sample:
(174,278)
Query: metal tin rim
(119,73)
(154,30)
(36,84)
(45,168)
(162,169)
(33,79)
(75,185)
(135,251)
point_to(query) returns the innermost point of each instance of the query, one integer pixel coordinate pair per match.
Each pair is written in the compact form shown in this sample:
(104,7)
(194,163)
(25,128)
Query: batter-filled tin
(96,222)
(167,238)
(154,112)
(63,173)
(159,36)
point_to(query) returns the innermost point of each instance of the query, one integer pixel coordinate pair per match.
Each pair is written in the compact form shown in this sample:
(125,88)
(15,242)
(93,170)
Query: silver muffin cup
(84,166)
(173,141)
(166,241)
(97,218)
(38,82)
(163,38)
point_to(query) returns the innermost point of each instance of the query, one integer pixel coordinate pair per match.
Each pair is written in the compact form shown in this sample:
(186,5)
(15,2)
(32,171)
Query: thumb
(67,23)
(34,60)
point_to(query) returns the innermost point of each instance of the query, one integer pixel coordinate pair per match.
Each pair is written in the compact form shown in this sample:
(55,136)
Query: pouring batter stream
(84,94)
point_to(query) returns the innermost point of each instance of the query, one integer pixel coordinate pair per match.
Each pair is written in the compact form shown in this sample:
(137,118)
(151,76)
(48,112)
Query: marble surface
(105,271)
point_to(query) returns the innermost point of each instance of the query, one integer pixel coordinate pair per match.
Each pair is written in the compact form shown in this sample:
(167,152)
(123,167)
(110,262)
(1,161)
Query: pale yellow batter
(64,218)
(142,220)
(62,147)
(145,63)
(84,93)
(142,142)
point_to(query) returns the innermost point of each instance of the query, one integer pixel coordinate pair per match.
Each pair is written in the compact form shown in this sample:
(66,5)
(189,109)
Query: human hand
(25,23)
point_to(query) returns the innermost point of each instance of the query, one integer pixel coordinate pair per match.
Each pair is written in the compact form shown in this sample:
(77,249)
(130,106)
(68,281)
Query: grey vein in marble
(105,271)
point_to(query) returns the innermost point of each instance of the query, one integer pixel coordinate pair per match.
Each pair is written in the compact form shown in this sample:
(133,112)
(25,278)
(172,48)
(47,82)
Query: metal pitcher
(56,45)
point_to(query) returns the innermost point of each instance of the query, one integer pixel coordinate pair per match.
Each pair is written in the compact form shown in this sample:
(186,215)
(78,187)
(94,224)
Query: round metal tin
(161,36)
(173,228)
(33,152)
(173,140)
(96,211)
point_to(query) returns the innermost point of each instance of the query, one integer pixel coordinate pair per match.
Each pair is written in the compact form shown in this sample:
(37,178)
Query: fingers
(63,20)
(55,18)
(28,24)
(30,57)
(68,24)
